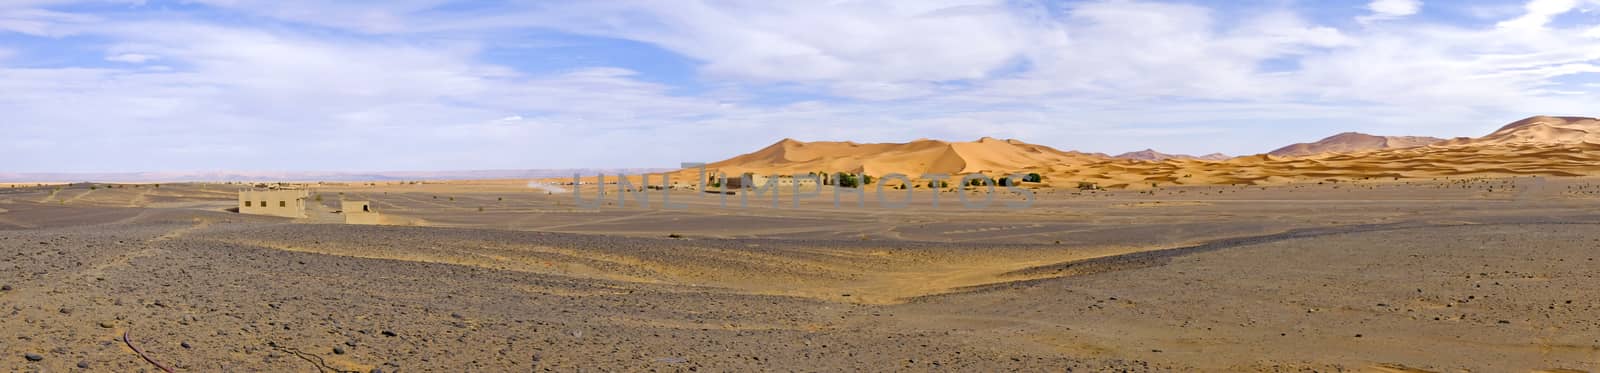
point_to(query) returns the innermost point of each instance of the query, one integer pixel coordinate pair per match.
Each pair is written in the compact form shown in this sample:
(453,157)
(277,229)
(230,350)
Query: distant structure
(285,203)
(758,181)
(359,212)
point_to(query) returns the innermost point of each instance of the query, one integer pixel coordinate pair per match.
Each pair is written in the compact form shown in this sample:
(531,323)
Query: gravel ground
(196,290)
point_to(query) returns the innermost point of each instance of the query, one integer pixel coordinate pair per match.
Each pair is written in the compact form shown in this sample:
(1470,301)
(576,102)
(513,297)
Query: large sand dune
(1353,142)
(1153,155)
(1547,146)
(913,158)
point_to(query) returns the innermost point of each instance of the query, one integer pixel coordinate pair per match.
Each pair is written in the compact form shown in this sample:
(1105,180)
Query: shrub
(848,180)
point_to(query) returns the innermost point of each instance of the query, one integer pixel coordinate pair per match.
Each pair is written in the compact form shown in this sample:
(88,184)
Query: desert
(1458,267)
(1375,186)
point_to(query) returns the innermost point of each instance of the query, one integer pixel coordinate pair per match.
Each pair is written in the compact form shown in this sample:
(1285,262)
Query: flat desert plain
(1365,275)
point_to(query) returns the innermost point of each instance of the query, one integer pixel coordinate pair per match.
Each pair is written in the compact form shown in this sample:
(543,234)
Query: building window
(263,203)
(246,203)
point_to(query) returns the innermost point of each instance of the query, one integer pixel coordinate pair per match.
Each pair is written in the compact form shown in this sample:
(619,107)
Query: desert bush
(848,180)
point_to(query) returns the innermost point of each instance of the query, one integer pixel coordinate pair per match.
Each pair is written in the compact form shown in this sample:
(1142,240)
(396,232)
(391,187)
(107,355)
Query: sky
(370,85)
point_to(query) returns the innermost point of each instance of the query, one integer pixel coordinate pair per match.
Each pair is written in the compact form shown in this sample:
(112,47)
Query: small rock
(5,287)
(377,370)
(388,333)
(338,350)
(185,344)
(65,311)
(108,324)
(33,357)
(83,364)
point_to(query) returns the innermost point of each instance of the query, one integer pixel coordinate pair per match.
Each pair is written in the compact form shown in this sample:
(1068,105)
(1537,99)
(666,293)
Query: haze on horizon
(154,85)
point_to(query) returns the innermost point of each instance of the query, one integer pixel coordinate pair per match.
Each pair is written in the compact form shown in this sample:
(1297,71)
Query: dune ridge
(1153,155)
(1541,145)
(1353,142)
(913,158)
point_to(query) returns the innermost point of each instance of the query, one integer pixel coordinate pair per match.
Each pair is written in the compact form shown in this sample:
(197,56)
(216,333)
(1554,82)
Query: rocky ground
(199,290)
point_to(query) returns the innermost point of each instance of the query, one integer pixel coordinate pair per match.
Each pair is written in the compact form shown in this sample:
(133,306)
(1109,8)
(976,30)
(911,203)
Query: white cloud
(804,41)
(1390,9)
(413,83)
(133,58)
(1539,13)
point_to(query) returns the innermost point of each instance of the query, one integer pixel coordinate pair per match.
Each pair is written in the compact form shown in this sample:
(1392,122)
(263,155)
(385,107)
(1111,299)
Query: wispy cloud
(420,84)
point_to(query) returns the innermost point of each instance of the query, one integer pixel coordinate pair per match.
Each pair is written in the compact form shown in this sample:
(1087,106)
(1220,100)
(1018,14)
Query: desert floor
(1446,275)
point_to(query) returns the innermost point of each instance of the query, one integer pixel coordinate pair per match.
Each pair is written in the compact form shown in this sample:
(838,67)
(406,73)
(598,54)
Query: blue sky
(183,85)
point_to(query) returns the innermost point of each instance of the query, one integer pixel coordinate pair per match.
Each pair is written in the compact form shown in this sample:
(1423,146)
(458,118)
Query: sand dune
(1541,130)
(914,158)
(1545,146)
(1352,142)
(1153,155)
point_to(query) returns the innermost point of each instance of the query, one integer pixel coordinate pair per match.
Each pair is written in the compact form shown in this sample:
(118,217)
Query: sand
(1537,146)
(1353,142)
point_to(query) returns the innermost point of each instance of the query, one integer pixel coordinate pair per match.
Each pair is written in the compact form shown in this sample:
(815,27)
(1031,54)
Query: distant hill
(1352,142)
(1152,155)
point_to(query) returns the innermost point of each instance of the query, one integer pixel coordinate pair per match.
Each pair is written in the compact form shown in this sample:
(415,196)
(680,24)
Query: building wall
(359,212)
(285,203)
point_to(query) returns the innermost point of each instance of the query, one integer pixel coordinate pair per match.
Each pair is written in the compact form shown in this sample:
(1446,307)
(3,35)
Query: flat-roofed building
(285,203)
